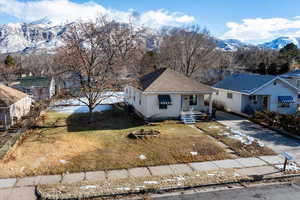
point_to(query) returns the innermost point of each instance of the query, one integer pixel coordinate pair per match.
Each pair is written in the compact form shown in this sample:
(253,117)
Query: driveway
(276,141)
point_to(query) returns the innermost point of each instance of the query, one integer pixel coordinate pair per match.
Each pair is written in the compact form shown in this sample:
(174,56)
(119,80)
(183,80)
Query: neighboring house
(165,93)
(13,105)
(39,88)
(246,93)
(293,77)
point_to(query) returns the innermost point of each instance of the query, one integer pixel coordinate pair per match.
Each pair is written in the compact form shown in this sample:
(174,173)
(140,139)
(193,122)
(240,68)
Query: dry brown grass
(239,148)
(100,148)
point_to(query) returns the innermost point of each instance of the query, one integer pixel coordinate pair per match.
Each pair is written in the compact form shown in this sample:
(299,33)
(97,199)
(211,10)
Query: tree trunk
(90,117)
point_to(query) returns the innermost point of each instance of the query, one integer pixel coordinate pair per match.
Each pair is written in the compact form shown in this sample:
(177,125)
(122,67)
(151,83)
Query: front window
(193,100)
(229,95)
(140,99)
(253,98)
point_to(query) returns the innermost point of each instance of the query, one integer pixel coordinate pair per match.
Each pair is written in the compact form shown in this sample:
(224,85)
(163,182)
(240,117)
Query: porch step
(188,119)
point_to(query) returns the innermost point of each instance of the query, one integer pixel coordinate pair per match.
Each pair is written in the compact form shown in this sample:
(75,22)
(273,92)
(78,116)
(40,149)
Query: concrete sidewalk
(14,188)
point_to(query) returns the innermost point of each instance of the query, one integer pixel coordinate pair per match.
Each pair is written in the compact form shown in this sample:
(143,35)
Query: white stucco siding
(279,89)
(135,98)
(152,106)
(231,105)
(19,109)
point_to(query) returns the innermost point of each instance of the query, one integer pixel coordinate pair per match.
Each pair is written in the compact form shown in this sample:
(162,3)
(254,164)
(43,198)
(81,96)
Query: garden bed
(287,124)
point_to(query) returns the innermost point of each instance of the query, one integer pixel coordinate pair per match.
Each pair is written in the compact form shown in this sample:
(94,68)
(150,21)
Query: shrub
(290,123)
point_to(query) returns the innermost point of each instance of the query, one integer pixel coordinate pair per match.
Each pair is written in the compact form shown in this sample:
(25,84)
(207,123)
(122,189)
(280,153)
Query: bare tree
(38,64)
(255,59)
(96,52)
(187,50)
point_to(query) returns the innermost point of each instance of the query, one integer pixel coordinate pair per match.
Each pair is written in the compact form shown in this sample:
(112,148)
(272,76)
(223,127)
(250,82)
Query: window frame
(140,99)
(163,106)
(229,95)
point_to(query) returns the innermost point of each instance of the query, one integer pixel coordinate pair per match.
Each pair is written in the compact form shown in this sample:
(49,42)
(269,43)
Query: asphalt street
(268,192)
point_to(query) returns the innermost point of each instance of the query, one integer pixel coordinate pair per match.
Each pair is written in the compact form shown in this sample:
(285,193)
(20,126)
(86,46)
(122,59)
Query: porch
(194,107)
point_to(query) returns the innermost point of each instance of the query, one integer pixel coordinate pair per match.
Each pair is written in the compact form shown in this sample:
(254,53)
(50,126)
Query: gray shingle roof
(167,80)
(295,73)
(245,83)
(9,96)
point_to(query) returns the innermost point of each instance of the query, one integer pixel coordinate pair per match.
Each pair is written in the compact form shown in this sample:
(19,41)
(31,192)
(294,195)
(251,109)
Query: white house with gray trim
(165,93)
(247,93)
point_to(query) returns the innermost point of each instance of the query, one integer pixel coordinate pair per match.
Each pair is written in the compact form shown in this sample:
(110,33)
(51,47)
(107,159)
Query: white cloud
(61,11)
(263,29)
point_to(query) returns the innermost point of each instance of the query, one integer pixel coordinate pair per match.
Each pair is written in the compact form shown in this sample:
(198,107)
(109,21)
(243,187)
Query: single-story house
(39,88)
(246,93)
(165,93)
(13,105)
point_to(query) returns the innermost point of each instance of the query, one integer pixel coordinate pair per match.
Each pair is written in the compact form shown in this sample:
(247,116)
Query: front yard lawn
(220,132)
(66,143)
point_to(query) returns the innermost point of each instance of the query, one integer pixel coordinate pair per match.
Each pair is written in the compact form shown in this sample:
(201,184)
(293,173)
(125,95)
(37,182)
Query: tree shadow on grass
(115,119)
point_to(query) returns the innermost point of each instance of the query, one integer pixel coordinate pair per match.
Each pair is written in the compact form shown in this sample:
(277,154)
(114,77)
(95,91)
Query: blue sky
(251,21)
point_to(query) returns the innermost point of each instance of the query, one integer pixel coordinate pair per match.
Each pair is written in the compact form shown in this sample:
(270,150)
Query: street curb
(172,189)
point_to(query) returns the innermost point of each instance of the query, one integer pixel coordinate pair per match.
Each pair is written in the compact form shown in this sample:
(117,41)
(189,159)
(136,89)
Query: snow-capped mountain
(24,37)
(281,42)
(230,44)
(43,35)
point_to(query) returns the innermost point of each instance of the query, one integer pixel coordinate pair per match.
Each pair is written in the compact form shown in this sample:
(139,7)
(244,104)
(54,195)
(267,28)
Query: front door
(185,102)
(266,103)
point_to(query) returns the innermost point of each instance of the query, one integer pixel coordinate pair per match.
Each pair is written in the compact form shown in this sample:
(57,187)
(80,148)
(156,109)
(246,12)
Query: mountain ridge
(43,35)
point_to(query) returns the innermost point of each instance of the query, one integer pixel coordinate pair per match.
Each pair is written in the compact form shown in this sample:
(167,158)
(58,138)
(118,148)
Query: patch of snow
(243,138)
(180,178)
(112,98)
(142,157)
(150,182)
(211,174)
(261,144)
(224,134)
(289,167)
(139,187)
(236,174)
(63,161)
(213,127)
(79,109)
(123,188)
(193,153)
(87,187)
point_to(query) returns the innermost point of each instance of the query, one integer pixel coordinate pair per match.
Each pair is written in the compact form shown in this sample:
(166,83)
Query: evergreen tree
(290,53)
(9,61)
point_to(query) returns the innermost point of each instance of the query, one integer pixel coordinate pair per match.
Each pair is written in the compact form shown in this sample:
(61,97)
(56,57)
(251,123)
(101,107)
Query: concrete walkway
(274,140)
(23,188)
